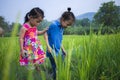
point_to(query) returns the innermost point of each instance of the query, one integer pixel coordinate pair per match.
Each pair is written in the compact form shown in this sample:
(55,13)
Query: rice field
(89,57)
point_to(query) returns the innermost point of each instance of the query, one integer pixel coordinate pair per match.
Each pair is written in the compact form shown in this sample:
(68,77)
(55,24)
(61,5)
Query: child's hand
(49,49)
(24,54)
(46,28)
(43,31)
(64,52)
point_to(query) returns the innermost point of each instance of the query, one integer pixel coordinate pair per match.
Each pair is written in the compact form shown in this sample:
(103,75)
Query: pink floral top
(33,50)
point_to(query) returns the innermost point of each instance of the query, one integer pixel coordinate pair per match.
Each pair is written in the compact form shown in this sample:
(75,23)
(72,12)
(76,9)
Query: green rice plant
(9,54)
(63,63)
(89,57)
(96,58)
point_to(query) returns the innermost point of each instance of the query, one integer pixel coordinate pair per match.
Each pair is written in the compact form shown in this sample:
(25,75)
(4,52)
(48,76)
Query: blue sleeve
(54,36)
(51,32)
(51,29)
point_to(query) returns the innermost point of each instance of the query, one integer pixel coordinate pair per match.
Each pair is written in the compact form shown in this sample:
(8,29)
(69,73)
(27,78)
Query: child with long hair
(31,51)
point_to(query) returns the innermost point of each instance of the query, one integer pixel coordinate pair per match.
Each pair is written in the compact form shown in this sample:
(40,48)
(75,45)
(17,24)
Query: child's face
(66,23)
(35,21)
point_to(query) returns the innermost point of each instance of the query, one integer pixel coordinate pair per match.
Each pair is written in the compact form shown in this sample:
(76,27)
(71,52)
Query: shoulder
(26,26)
(23,29)
(54,24)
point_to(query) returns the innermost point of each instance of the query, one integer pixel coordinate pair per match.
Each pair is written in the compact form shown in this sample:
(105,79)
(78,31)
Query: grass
(89,57)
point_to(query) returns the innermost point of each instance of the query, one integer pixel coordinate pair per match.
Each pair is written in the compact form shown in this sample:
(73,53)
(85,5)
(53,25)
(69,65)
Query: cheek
(32,21)
(37,24)
(63,24)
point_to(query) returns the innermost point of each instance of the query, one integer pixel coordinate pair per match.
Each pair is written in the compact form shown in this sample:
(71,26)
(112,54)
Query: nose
(38,24)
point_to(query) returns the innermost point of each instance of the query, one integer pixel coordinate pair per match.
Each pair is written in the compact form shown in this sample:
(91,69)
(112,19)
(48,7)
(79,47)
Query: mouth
(65,27)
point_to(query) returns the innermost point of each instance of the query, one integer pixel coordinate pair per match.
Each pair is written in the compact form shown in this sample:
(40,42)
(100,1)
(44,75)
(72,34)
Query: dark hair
(67,15)
(35,13)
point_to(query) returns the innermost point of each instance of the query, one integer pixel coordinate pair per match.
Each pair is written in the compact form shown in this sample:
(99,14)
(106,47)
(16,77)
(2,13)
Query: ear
(30,17)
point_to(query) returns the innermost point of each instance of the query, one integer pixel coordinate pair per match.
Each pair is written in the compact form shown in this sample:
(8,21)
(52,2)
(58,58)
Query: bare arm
(43,31)
(47,43)
(21,38)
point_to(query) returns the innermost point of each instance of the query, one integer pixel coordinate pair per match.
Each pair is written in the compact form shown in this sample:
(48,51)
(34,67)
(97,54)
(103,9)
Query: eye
(38,21)
(69,24)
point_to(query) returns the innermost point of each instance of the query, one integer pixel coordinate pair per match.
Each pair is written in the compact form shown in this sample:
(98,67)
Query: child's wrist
(45,30)
(21,50)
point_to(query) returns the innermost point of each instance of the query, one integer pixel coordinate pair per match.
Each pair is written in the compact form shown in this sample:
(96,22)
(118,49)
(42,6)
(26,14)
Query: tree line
(106,20)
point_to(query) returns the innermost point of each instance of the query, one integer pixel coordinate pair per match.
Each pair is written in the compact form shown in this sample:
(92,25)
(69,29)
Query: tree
(3,23)
(108,14)
(43,24)
(85,22)
(77,23)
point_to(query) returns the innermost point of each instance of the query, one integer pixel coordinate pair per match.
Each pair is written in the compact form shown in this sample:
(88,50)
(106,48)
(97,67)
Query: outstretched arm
(43,31)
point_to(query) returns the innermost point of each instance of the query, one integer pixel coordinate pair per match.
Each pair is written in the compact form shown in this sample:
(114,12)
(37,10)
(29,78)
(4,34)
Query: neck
(30,24)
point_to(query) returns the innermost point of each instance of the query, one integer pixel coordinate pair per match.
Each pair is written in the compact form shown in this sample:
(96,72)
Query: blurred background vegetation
(106,19)
(90,57)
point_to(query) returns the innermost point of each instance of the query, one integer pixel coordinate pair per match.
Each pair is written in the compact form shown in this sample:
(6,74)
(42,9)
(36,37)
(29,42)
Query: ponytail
(35,13)
(27,17)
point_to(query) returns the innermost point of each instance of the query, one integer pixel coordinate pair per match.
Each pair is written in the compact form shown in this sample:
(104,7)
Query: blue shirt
(55,34)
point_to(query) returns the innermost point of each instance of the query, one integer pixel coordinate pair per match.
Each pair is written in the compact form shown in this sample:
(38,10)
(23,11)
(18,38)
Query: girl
(54,36)
(31,52)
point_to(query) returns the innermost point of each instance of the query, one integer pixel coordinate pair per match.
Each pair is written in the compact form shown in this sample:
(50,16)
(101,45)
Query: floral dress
(33,50)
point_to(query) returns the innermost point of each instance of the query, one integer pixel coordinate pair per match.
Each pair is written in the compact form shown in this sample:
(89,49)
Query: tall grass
(96,58)
(9,54)
(89,57)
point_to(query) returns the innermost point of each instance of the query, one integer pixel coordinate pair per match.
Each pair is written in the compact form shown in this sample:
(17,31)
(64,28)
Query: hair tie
(28,15)
(69,9)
